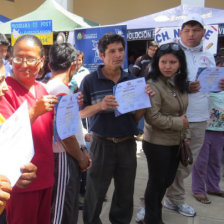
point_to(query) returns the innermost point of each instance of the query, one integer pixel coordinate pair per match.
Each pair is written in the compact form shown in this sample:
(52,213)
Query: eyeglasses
(29,61)
(172,46)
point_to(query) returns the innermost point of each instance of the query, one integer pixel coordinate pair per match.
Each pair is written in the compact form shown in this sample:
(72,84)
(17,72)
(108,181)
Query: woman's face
(26,74)
(169,65)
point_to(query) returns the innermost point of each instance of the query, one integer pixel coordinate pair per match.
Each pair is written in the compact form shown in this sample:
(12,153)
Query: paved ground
(206,214)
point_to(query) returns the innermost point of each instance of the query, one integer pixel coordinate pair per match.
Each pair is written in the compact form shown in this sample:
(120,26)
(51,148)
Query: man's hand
(221,84)
(89,158)
(84,161)
(80,99)
(108,102)
(194,87)
(88,137)
(149,91)
(5,189)
(28,175)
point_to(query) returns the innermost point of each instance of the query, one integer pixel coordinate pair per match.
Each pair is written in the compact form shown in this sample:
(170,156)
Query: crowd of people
(49,186)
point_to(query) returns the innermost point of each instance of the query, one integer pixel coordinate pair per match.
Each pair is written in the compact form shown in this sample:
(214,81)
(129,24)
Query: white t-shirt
(55,87)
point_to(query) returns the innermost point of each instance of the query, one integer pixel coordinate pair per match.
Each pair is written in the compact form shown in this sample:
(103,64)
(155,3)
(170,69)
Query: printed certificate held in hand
(209,78)
(131,96)
(66,119)
(16,144)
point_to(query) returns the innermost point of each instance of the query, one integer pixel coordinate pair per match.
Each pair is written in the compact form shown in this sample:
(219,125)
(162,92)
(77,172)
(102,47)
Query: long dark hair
(180,78)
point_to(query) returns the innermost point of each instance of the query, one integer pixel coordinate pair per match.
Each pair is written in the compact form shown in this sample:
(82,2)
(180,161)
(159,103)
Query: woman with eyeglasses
(28,171)
(165,125)
(31,204)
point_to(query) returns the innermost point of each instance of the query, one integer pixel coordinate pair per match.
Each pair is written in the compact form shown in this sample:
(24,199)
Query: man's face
(114,55)
(191,36)
(151,50)
(3,51)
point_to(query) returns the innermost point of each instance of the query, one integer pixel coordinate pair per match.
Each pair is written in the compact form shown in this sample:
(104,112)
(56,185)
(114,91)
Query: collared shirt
(95,87)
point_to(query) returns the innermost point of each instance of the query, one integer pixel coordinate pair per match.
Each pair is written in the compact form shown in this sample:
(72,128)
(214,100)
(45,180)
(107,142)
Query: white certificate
(209,78)
(16,144)
(67,115)
(131,96)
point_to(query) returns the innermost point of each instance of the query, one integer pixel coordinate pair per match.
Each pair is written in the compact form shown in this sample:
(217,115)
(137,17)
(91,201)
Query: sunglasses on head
(172,46)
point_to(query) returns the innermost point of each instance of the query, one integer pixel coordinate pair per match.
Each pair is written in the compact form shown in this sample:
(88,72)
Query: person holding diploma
(31,204)
(113,147)
(28,171)
(69,158)
(165,125)
(206,173)
(191,41)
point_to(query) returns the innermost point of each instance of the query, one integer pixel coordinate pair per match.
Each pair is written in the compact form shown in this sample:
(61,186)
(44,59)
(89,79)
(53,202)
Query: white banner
(170,34)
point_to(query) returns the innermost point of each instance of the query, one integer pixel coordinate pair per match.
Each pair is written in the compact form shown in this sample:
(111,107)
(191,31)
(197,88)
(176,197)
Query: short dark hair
(191,23)
(180,79)
(153,43)
(61,56)
(33,38)
(80,53)
(109,38)
(3,40)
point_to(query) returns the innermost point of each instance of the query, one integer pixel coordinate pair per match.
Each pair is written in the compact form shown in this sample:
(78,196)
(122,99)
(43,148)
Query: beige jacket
(163,125)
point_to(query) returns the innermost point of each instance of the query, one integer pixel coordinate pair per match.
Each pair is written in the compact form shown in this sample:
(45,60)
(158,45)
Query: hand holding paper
(109,102)
(5,189)
(16,144)
(67,115)
(131,95)
(210,78)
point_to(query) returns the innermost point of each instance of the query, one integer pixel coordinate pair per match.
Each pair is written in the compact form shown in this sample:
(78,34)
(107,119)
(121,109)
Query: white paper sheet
(67,115)
(16,144)
(131,96)
(209,78)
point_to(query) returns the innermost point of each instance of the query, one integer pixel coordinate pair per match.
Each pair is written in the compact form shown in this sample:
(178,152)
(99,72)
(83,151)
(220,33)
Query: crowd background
(31,59)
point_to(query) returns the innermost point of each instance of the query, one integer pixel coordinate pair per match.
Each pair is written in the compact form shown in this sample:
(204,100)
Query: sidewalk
(206,214)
